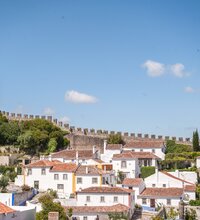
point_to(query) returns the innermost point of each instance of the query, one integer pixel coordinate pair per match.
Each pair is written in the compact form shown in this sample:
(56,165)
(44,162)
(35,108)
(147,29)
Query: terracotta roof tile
(88,170)
(104,189)
(162,193)
(190,188)
(64,167)
(43,163)
(134,155)
(71,154)
(5,209)
(114,146)
(99,209)
(132,181)
(144,144)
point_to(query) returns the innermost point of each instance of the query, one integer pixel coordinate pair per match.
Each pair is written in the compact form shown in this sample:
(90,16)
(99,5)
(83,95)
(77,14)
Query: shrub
(194,202)
(147,171)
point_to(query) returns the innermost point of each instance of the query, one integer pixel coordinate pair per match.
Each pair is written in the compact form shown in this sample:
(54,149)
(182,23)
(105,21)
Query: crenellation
(166,138)
(85,131)
(139,135)
(153,136)
(119,133)
(31,116)
(105,132)
(112,132)
(79,129)
(55,120)
(66,126)
(160,137)
(49,118)
(146,136)
(7,114)
(187,139)
(25,116)
(43,117)
(174,138)
(126,134)
(19,116)
(72,128)
(132,134)
(60,123)
(92,131)
(180,139)
(37,117)
(13,115)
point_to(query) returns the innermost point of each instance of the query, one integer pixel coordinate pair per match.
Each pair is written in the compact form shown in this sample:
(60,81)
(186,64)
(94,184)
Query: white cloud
(77,97)
(48,111)
(65,119)
(154,69)
(189,89)
(178,70)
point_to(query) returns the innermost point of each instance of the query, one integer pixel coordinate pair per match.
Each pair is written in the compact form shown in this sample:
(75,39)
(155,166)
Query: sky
(114,65)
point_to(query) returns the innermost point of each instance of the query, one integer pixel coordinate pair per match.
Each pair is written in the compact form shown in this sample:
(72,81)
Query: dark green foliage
(115,139)
(172,147)
(147,171)
(190,214)
(194,202)
(195,141)
(118,216)
(49,206)
(3,183)
(8,171)
(120,177)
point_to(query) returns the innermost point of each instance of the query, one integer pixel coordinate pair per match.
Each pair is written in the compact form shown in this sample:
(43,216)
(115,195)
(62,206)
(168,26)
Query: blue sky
(115,65)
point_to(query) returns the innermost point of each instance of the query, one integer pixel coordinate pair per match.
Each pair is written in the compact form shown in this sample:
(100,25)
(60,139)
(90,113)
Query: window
(144,201)
(43,171)
(84,217)
(164,185)
(141,150)
(153,185)
(94,180)
(60,186)
(115,199)
(65,176)
(87,198)
(29,171)
(102,199)
(79,180)
(123,164)
(133,150)
(153,150)
(56,176)
(168,201)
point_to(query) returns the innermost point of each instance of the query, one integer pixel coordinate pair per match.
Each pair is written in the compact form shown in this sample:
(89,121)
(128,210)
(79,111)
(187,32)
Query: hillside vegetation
(33,136)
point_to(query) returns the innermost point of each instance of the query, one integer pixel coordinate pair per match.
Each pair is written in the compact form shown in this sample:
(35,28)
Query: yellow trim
(100,179)
(73,183)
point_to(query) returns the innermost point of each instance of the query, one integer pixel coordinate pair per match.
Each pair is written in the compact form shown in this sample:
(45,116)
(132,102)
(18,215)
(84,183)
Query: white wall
(174,202)
(198,162)
(186,175)
(108,155)
(6,198)
(87,181)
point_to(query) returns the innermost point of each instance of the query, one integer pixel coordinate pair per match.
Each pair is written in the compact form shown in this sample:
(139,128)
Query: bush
(194,202)
(172,147)
(147,171)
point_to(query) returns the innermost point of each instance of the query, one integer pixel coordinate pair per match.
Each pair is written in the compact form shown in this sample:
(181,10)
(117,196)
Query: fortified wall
(82,137)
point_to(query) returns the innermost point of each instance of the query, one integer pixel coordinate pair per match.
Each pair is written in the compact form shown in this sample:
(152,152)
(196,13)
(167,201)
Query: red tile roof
(104,189)
(64,167)
(161,193)
(144,144)
(43,163)
(174,177)
(190,188)
(114,146)
(99,209)
(88,170)
(71,154)
(4,209)
(134,155)
(132,181)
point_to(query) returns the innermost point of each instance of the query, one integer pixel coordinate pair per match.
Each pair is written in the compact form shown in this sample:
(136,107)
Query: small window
(133,150)
(153,185)
(79,180)
(60,186)
(102,199)
(153,150)
(85,218)
(29,171)
(168,201)
(87,198)
(94,180)
(65,176)
(144,201)
(141,150)
(115,199)
(164,185)
(56,176)
(123,164)
(43,171)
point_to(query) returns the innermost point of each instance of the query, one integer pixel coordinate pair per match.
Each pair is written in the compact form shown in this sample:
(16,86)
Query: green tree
(118,216)
(3,183)
(49,206)
(120,177)
(190,214)
(195,141)
(172,214)
(115,139)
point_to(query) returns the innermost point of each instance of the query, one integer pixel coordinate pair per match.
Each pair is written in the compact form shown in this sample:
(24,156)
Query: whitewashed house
(153,146)
(129,163)
(137,184)
(109,150)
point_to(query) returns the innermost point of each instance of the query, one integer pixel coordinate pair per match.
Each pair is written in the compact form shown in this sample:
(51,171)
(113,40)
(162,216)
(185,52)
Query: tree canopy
(115,139)
(195,141)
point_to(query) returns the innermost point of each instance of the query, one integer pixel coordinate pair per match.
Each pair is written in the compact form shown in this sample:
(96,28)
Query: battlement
(92,132)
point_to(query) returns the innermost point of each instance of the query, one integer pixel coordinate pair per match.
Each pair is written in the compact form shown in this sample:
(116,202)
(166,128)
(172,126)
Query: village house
(129,163)
(154,146)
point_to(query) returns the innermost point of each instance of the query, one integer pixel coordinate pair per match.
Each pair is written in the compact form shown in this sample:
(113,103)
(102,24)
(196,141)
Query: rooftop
(190,188)
(134,155)
(114,146)
(64,167)
(144,144)
(88,170)
(104,189)
(43,163)
(132,181)
(162,193)
(71,154)
(4,209)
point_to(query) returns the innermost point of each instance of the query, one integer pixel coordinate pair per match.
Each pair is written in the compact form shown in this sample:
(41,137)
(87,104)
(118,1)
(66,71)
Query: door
(152,203)
(36,184)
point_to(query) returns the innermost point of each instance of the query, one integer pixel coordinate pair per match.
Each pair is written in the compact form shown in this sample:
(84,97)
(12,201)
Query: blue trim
(13,199)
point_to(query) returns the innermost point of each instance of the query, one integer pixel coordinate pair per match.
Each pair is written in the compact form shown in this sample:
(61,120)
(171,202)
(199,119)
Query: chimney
(157,175)
(93,149)
(77,157)
(104,146)
(50,157)
(86,169)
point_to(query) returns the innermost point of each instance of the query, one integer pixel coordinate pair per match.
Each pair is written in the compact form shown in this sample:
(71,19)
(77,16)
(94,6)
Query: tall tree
(195,141)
